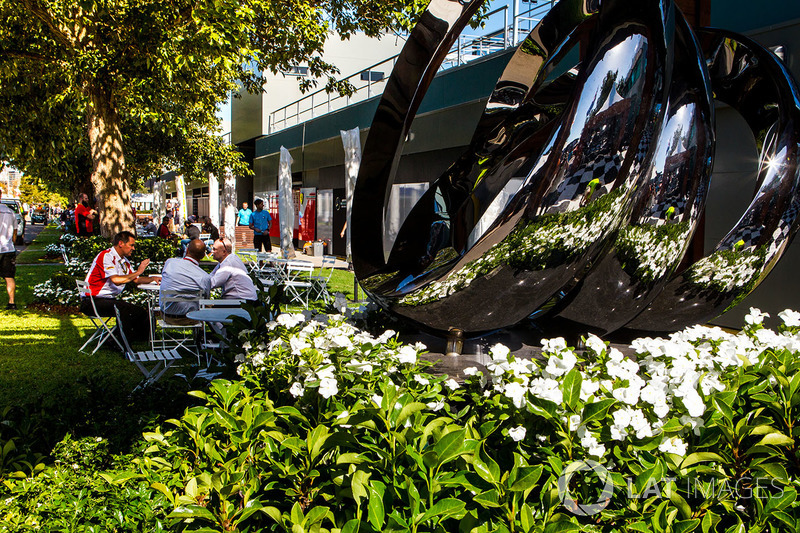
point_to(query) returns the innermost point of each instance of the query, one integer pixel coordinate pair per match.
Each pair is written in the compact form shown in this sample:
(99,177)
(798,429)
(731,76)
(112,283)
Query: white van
(16,206)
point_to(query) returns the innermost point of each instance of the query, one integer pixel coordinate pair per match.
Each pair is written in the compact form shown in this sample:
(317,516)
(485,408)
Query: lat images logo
(576,504)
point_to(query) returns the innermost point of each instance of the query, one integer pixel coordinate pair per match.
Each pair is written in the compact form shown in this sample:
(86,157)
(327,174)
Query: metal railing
(466,49)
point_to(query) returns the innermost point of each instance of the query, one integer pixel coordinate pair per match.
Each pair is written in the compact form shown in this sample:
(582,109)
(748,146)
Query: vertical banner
(229,203)
(159,206)
(307,224)
(286,203)
(351,139)
(180,213)
(213,198)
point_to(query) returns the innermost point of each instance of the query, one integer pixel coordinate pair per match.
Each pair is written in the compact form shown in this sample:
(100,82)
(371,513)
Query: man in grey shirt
(231,274)
(8,253)
(185,275)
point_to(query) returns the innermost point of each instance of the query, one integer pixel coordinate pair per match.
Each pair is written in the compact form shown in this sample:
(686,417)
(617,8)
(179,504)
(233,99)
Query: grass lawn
(34,253)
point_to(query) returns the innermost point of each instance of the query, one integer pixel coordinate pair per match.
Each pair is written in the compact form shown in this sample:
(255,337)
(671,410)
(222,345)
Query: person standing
(231,274)
(260,221)
(84,217)
(111,270)
(244,215)
(8,253)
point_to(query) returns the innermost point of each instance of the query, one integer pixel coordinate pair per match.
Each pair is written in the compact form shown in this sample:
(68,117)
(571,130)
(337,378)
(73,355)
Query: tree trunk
(109,175)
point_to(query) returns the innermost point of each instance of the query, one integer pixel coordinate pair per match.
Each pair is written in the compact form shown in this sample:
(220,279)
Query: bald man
(185,275)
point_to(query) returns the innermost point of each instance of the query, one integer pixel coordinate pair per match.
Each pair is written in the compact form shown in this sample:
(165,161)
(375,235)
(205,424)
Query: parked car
(39,216)
(16,206)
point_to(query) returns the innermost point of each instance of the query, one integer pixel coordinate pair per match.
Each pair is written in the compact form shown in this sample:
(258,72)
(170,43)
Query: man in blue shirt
(260,221)
(244,215)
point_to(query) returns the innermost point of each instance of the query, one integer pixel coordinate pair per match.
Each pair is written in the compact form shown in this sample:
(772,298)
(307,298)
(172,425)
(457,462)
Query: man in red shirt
(107,276)
(163,229)
(84,217)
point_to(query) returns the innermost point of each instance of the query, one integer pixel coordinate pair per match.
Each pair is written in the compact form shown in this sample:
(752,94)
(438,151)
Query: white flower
(499,352)
(588,388)
(518,433)
(421,380)
(594,343)
(790,318)
(420,347)
(436,406)
(247,346)
(360,367)
(516,393)
(574,422)
(755,316)
(377,399)
(328,387)
(342,341)
(470,371)
(695,423)
(560,366)
(546,389)
(297,389)
(554,346)
(407,355)
(289,320)
(673,445)
(297,345)
(451,384)
(388,334)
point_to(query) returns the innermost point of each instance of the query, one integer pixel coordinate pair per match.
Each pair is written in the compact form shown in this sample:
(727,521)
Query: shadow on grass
(49,390)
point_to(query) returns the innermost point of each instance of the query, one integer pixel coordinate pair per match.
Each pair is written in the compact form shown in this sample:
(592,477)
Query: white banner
(180,212)
(351,139)
(213,198)
(286,203)
(159,205)
(229,203)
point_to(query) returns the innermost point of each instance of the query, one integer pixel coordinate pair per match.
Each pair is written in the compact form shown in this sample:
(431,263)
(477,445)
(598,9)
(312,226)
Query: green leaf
(192,511)
(571,388)
(489,498)
(786,519)
(700,457)
(352,526)
(160,487)
(561,525)
(450,446)
(596,410)
(723,408)
(358,485)
(407,411)
(316,440)
(527,476)
(375,510)
(684,526)
(486,467)
(774,470)
(443,509)
(350,458)
(776,439)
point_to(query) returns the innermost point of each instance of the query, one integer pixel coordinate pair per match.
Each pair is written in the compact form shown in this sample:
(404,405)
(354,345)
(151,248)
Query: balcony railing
(371,81)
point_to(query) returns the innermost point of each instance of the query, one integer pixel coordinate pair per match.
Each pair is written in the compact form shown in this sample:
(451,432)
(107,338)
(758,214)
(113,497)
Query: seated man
(184,274)
(150,227)
(107,276)
(163,229)
(192,233)
(231,274)
(211,229)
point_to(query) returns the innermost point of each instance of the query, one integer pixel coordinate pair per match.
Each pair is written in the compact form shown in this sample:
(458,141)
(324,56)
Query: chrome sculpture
(605,167)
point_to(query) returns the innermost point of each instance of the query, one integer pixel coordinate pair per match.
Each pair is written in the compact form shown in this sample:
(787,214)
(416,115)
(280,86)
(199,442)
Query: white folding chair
(64,254)
(149,361)
(177,336)
(103,329)
(319,289)
(298,281)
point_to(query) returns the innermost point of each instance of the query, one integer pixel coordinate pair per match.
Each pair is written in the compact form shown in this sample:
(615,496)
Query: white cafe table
(152,286)
(222,315)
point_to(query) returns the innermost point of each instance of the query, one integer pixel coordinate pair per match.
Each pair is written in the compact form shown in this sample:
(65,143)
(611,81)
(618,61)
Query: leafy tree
(109,89)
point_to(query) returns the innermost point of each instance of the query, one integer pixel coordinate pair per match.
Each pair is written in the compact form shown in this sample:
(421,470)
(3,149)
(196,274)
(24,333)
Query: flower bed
(330,428)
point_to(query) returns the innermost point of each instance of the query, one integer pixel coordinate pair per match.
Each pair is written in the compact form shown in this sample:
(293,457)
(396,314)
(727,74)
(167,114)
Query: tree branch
(47,19)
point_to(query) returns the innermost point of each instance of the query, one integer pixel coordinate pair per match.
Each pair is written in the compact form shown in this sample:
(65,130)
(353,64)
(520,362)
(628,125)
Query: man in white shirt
(107,276)
(8,253)
(184,275)
(231,274)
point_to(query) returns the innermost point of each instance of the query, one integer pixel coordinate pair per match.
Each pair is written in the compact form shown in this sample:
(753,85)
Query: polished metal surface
(753,81)
(583,184)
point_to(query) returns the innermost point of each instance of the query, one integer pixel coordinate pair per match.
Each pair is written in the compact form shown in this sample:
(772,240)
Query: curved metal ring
(753,81)
(572,187)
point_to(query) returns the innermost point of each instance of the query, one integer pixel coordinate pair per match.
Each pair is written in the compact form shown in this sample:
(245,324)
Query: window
(297,70)
(371,75)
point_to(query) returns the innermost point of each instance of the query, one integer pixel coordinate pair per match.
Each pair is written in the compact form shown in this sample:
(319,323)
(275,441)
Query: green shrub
(156,249)
(86,248)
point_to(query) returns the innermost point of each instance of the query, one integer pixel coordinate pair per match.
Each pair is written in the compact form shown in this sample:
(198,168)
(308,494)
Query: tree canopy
(113,91)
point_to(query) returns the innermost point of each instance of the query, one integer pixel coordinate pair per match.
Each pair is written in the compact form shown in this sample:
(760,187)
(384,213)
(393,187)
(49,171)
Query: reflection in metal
(583,184)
